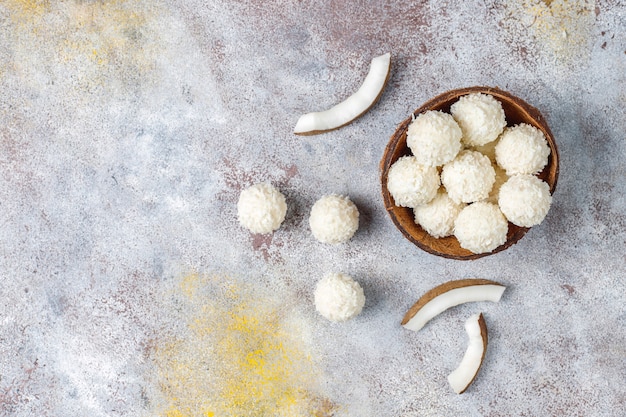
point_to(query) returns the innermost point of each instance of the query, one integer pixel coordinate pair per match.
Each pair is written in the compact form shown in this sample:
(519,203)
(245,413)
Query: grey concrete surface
(128,129)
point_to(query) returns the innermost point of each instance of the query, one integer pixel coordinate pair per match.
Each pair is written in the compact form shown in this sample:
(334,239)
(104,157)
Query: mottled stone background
(128,129)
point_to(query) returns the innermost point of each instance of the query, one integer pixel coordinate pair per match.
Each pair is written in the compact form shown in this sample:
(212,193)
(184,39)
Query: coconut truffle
(522,149)
(334,219)
(437,217)
(261,208)
(525,200)
(480,117)
(412,184)
(434,137)
(480,227)
(338,297)
(469,177)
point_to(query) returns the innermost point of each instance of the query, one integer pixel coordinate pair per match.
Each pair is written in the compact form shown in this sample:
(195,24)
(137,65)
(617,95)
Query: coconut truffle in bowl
(469,177)
(517,112)
(261,208)
(434,137)
(481,227)
(411,183)
(525,200)
(522,149)
(437,217)
(334,219)
(481,118)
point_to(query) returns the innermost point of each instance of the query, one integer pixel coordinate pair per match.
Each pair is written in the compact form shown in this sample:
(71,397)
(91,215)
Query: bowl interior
(516,111)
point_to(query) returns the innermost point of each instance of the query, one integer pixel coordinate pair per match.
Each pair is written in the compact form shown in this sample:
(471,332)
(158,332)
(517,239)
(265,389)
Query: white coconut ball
(334,219)
(434,138)
(525,200)
(338,297)
(437,217)
(522,149)
(412,184)
(480,227)
(481,118)
(469,177)
(261,208)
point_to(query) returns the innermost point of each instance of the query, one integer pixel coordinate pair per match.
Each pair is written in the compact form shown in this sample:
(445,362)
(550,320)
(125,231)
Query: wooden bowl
(517,111)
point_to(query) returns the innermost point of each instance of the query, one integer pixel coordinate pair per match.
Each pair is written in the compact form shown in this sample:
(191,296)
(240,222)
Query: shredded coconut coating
(489,150)
(481,118)
(261,208)
(522,149)
(469,177)
(334,219)
(525,200)
(481,227)
(412,184)
(501,178)
(437,217)
(434,138)
(338,297)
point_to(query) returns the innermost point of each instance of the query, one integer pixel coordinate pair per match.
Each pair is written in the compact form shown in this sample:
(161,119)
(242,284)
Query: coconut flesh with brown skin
(463,376)
(351,108)
(448,295)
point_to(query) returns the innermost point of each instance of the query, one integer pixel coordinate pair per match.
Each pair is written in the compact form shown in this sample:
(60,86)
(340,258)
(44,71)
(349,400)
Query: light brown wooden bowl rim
(449,247)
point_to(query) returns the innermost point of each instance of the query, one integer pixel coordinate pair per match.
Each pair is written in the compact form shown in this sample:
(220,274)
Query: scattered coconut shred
(484,186)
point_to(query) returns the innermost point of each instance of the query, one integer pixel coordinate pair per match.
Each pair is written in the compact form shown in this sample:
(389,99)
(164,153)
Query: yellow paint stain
(243,356)
(100,41)
(26,12)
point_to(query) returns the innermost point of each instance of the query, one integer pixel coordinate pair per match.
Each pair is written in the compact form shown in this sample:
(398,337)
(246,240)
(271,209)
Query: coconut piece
(448,295)
(352,107)
(463,376)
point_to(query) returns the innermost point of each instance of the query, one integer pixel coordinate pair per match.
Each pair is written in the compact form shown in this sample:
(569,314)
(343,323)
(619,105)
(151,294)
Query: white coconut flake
(412,184)
(522,149)
(525,200)
(464,374)
(481,227)
(434,137)
(352,107)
